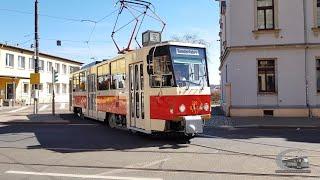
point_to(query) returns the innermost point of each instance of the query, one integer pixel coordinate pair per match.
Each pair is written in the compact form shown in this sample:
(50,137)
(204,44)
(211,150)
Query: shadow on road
(294,135)
(88,136)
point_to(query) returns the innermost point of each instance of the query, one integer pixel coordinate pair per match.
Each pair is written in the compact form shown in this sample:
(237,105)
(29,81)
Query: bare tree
(190,38)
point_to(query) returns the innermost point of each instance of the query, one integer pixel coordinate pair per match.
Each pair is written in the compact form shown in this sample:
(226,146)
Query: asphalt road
(85,149)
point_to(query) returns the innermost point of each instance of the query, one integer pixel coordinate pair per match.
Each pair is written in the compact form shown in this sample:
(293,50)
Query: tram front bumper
(193,124)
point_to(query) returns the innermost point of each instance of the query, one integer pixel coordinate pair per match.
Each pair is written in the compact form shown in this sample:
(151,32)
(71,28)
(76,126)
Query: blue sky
(182,17)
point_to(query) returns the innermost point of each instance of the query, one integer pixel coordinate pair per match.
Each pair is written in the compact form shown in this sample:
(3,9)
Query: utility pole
(36,60)
(54,80)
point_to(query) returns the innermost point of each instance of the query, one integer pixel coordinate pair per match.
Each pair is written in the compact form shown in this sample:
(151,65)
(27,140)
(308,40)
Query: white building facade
(17,63)
(270,57)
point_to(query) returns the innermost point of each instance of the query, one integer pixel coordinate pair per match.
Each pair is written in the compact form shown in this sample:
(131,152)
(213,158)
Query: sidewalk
(33,119)
(263,122)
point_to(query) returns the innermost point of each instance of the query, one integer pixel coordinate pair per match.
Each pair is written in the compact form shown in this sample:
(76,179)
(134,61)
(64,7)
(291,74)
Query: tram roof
(165,43)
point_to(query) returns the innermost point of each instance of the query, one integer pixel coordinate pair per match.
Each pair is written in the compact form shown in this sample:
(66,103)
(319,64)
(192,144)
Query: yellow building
(17,63)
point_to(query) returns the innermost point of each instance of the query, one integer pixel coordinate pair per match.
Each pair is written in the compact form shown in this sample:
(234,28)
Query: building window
(223,7)
(57,67)
(21,62)
(25,88)
(40,87)
(266,76)
(9,60)
(265,13)
(64,69)
(49,88)
(41,65)
(31,63)
(318,75)
(318,13)
(57,89)
(64,88)
(49,66)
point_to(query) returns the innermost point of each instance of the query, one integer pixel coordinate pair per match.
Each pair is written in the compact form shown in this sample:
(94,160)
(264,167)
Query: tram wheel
(112,121)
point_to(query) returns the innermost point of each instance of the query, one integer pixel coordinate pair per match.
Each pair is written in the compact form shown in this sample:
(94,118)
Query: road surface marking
(20,109)
(138,165)
(62,105)
(44,107)
(83,176)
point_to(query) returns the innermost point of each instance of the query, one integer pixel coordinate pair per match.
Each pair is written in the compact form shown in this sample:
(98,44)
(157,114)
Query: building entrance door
(10,91)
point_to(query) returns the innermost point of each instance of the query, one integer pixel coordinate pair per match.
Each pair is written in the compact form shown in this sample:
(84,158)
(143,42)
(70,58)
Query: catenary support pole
(36,60)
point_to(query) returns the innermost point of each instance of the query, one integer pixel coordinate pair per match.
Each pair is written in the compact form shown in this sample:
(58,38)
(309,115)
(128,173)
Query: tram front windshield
(189,66)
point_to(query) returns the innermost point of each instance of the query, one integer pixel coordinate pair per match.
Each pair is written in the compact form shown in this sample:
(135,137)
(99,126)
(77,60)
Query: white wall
(290,68)
(241,22)
(46,76)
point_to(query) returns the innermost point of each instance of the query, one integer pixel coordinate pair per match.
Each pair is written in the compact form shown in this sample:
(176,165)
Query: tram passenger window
(137,105)
(131,77)
(141,77)
(113,82)
(103,82)
(136,72)
(103,77)
(121,82)
(142,105)
(118,70)
(83,80)
(132,105)
(162,72)
(76,83)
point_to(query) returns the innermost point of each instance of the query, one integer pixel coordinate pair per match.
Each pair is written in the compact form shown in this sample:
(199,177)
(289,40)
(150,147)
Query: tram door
(137,113)
(92,112)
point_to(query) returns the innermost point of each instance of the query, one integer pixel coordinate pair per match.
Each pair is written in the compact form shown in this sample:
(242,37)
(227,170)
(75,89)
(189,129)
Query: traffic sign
(34,78)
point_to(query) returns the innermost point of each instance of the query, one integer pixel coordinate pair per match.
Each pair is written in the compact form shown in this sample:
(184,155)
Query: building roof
(41,54)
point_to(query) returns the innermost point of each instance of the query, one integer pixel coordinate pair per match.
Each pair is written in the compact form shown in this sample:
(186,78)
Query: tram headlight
(182,108)
(206,107)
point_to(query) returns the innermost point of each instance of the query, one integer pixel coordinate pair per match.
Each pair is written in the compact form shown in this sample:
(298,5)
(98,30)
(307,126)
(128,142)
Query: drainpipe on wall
(306,57)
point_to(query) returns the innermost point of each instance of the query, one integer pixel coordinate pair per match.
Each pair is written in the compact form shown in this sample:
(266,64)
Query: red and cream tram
(158,88)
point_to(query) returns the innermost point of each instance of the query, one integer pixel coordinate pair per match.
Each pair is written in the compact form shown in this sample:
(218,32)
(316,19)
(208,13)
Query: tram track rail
(164,170)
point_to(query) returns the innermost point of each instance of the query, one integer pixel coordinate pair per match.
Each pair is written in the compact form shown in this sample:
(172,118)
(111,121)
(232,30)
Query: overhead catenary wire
(125,5)
(107,16)
(43,15)
(96,21)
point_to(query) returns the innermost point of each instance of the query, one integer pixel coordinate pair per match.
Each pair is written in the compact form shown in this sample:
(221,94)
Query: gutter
(305,28)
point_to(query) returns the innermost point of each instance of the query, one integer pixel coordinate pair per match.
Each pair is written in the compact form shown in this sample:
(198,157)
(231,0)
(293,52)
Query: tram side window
(141,77)
(83,80)
(162,72)
(76,83)
(118,72)
(103,77)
